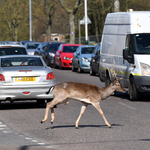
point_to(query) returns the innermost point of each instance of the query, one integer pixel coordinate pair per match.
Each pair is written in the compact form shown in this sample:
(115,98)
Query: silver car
(31,47)
(24,77)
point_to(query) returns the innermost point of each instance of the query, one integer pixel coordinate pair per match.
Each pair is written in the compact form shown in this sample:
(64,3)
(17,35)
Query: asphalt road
(20,127)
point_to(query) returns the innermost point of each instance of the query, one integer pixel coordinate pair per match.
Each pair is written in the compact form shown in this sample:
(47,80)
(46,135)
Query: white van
(125,45)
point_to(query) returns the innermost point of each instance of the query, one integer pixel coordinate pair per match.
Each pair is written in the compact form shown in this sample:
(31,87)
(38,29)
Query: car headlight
(52,54)
(85,59)
(66,58)
(145,69)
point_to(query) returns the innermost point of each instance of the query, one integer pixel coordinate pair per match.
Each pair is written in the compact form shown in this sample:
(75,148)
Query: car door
(42,51)
(76,57)
(74,62)
(58,55)
(96,57)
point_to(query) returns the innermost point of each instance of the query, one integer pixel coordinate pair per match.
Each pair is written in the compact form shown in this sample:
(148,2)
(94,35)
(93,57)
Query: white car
(24,77)
(12,49)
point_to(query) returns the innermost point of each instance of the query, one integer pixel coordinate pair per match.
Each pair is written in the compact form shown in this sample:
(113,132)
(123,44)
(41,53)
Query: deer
(87,94)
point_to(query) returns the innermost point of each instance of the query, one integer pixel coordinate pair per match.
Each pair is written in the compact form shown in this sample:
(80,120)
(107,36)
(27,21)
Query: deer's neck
(107,91)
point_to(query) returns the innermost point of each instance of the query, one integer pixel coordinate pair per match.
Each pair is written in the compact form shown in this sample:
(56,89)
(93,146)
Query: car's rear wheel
(55,66)
(73,68)
(41,101)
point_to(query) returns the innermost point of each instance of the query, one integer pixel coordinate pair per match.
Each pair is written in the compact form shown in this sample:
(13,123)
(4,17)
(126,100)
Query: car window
(87,50)
(95,49)
(98,50)
(13,51)
(32,46)
(21,61)
(69,49)
(53,47)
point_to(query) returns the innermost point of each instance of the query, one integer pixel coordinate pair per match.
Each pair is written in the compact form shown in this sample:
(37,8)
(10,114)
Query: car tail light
(26,93)
(2,78)
(50,76)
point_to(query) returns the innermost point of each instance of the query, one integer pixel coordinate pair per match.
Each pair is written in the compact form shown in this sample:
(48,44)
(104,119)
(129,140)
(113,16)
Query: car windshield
(69,49)
(87,50)
(53,47)
(32,46)
(21,61)
(12,51)
(142,42)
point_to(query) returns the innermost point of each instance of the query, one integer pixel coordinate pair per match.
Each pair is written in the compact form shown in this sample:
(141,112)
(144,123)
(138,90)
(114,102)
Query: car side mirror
(126,56)
(59,51)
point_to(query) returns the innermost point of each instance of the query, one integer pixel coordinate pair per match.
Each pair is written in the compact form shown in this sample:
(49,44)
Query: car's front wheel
(79,68)
(60,65)
(91,71)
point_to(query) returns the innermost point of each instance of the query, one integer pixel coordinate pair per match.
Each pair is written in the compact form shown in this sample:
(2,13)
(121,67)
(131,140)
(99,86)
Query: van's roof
(126,17)
(138,21)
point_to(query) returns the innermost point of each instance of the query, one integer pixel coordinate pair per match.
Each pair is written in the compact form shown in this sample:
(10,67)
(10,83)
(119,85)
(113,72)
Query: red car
(64,55)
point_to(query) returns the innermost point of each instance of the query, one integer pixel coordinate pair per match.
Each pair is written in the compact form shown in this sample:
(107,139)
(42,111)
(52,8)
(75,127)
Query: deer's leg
(80,115)
(51,104)
(52,115)
(97,106)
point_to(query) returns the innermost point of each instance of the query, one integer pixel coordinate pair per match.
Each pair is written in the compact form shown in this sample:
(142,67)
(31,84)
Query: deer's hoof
(51,122)
(77,127)
(110,126)
(41,121)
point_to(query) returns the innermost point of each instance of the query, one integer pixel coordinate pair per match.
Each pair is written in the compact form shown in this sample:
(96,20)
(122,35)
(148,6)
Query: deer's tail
(50,89)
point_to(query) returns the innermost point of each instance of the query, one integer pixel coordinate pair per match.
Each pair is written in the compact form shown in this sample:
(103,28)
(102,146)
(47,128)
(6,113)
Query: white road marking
(126,105)
(6,130)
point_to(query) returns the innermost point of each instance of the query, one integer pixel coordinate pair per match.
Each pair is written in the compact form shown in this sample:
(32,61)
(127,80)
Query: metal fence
(93,39)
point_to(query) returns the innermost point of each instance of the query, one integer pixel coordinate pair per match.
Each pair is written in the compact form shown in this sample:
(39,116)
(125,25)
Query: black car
(94,64)
(48,52)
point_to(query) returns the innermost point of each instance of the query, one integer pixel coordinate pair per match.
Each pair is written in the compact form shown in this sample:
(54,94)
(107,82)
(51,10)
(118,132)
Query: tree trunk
(48,29)
(72,28)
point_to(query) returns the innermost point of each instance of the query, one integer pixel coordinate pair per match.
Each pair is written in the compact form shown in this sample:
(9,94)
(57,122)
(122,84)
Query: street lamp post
(86,24)
(30,19)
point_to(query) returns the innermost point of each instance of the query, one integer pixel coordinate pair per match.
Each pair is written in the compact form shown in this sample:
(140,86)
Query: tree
(71,8)
(47,8)
(12,16)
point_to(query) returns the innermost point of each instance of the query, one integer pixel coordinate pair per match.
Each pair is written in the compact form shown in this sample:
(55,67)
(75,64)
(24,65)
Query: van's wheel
(133,93)
(107,80)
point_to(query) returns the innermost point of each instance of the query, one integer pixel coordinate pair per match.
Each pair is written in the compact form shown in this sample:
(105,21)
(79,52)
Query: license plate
(25,79)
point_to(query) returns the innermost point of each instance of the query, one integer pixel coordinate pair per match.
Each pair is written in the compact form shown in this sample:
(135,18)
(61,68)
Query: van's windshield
(142,42)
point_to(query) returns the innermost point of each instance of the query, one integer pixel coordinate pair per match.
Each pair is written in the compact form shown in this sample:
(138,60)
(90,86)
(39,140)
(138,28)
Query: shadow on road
(21,105)
(83,126)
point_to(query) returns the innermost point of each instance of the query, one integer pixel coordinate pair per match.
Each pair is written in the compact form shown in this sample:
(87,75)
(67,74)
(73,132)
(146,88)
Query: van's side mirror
(126,56)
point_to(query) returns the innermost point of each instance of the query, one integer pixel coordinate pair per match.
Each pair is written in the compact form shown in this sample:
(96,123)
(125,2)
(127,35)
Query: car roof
(11,45)
(71,44)
(31,42)
(9,56)
(87,45)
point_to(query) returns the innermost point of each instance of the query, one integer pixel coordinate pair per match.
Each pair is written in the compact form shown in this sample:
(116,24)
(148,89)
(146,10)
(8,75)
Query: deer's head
(116,82)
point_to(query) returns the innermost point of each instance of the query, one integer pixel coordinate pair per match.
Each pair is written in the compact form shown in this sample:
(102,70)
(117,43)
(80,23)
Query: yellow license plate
(25,79)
